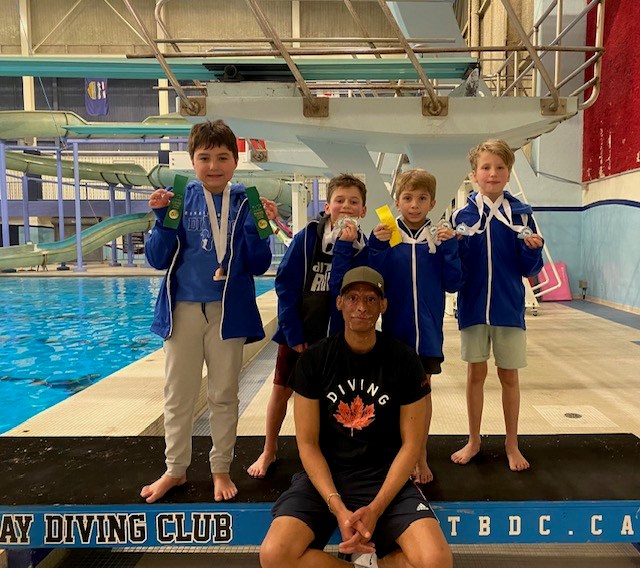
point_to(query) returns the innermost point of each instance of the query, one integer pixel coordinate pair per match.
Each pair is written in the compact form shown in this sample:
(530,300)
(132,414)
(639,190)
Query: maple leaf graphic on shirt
(357,416)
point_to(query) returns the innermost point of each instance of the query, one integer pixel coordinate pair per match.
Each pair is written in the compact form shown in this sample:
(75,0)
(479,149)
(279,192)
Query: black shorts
(432,365)
(285,363)
(357,488)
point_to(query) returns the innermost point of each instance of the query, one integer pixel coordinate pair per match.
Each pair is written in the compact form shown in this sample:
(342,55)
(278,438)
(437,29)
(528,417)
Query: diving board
(210,69)
(83,492)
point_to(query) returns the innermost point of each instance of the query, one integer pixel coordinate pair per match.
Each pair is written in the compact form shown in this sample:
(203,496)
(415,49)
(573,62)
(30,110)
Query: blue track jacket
(292,275)
(494,261)
(247,256)
(415,281)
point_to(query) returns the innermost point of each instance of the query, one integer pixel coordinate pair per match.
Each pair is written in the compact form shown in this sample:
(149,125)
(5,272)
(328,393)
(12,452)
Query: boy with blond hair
(498,247)
(206,308)
(307,284)
(417,273)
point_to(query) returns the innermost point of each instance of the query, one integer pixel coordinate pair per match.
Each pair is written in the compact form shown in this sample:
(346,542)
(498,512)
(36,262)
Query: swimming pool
(61,335)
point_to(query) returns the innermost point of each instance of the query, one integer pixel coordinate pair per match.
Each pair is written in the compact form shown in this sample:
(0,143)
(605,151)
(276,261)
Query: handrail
(365,39)
(270,31)
(329,51)
(597,69)
(360,24)
(520,76)
(515,21)
(436,105)
(158,54)
(506,81)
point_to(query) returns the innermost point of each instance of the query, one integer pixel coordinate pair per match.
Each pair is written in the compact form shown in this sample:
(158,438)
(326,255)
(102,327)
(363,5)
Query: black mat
(76,471)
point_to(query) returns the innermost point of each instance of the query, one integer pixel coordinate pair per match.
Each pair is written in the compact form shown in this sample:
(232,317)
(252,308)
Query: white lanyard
(423,235)
(494,211)
(219,231)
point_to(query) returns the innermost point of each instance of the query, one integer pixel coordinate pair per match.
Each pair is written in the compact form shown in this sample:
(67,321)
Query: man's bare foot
(517,461)
(421,472)
(465,455)
(151,493)
(223,488)
(259,468)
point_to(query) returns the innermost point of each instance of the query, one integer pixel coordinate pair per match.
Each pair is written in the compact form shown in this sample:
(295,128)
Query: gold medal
(174,214)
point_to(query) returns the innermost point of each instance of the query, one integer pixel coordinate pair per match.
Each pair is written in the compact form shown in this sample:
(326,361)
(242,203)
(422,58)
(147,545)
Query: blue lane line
(605,312)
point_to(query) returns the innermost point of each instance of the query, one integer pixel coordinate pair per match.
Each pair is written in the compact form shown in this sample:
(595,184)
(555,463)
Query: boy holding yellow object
(417,272)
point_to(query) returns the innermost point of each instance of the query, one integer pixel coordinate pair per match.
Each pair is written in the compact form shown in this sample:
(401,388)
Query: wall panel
(612,126)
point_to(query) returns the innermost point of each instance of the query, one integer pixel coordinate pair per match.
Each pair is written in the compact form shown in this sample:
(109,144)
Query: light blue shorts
(509,345)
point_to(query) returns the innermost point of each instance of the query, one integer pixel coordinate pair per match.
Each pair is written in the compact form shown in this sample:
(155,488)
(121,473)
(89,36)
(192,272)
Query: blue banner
(95,97)
(207,524)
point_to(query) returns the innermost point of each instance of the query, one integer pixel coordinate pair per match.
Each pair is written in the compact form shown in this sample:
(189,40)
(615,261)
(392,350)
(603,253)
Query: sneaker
(365,560)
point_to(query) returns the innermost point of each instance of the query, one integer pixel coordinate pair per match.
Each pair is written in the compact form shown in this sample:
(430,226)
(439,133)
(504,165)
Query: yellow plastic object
(387,218)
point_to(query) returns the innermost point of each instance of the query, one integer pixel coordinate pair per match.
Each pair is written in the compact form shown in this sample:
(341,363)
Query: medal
(219,231)
(524,233)
(463,230)
(342,222)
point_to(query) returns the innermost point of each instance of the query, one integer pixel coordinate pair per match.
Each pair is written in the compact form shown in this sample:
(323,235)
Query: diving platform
(353,127)
(84,492)
(250,68)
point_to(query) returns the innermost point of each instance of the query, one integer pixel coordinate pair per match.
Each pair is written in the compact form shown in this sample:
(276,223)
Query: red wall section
(612,126)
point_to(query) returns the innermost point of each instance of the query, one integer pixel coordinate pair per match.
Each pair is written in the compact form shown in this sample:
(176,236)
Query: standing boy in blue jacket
(307,284)
(417,272)
(499,246)
(206,309)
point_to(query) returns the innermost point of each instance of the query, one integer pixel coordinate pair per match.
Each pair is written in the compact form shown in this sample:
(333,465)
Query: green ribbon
(257,211)
(174,213)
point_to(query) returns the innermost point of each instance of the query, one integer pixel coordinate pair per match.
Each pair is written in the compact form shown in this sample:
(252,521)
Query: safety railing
(523,66)
(518,76)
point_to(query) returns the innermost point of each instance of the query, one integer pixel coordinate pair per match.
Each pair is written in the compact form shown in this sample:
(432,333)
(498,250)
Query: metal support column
(316,198)
(112,213)
(145,238)
(4,197)
(127,209)
(80,267)
(25,208)
(63,265)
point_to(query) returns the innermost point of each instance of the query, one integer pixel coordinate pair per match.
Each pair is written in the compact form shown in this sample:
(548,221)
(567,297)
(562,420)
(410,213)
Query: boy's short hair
(416,178)
(346,180)
(212,133)
(498,147)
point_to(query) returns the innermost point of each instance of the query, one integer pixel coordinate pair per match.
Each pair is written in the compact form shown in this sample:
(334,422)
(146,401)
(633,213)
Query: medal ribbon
(219,231)
(494,211)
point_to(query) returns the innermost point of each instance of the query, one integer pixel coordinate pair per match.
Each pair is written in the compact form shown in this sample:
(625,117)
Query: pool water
(61,335)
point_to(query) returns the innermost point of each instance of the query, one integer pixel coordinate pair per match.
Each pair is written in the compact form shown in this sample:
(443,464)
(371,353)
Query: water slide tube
(23,256)
(45,124)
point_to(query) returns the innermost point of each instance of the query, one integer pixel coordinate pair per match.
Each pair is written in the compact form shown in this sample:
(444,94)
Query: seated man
(359,409)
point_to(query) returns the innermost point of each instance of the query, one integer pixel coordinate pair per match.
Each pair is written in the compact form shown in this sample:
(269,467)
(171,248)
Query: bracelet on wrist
(329,497)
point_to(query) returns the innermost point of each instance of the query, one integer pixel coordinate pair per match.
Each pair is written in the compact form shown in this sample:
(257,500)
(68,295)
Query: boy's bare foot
(517,461)
(464,455)
(421,472)
(259,468)
(223,488)
(151,493)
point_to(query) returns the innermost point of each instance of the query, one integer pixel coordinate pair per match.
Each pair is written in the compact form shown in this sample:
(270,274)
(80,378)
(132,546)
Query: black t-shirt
(360,397)
(316,297)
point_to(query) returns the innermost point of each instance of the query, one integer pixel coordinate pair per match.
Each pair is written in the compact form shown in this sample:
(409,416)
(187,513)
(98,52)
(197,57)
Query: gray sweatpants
(196,340)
